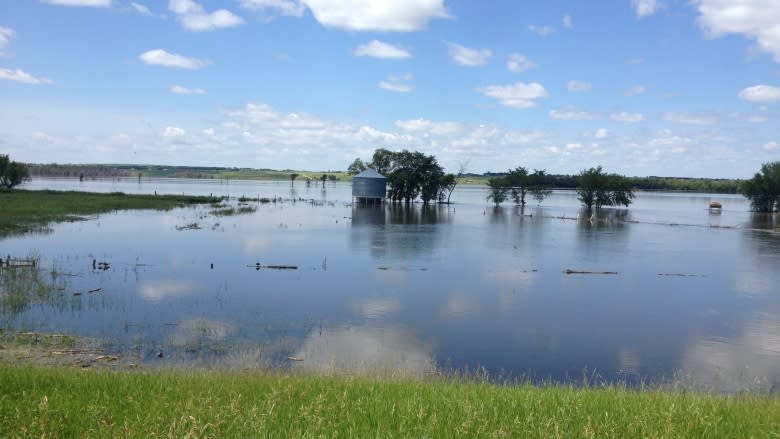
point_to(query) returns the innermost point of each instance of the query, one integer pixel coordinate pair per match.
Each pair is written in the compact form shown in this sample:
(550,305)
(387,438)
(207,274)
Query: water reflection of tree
(398,229)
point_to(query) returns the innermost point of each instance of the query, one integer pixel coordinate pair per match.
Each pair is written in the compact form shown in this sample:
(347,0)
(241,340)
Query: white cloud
(19,75)
(187,91)
(626,117)
(171,132)
(160,57)
(770,146)
(290,8)
(601,133)
(578,86)
(379,49)
(761,93)
(88,3)
(519,95)
(689,118)
(645,8)
(5,35)
(755,19)
(567,23)
(633,91)
(542,31)
(518,63)
(571,113)
(574,146)
(399,84)
(468,57)
(193,17)
(141,9)
(427,126)
(377,15)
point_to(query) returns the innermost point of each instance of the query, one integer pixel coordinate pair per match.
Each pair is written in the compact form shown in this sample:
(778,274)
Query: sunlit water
(410,290)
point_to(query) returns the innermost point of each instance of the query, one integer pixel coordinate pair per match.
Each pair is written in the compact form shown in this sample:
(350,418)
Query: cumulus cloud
(398,84)
(633,91)
(178,89)
(770,146)
(755,19)
(160,57)
(567,23)
(171,132)
(761,93)
(427,126)
(290,8)
(379,49)
(601,133)
(645,8)
(571,113)
(519,95)
(542,31)
(5,35)
(88,3)
(626,117)
(518,63)
(19,75)
(377,15)
(689,118)
(195,18)
(575,86)
(468,57)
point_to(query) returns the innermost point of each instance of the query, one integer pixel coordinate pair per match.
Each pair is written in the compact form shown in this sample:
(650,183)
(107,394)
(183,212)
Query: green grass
(23,211)
(66,402)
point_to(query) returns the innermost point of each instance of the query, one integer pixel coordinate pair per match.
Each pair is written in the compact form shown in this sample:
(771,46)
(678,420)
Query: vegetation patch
(25,211)
(66,402)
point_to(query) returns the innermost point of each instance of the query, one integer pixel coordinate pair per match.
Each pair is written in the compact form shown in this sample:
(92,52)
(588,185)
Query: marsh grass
(22,287)
(65,402)
(25,211)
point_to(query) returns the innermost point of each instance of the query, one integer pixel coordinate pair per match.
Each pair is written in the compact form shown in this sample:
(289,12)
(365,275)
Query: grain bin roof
(369,173)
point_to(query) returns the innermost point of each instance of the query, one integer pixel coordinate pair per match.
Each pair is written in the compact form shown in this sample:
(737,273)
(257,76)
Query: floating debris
(258,266)
(17,263)
(679,275)
(190,226)
(570,271)
(95,290)
(295,358)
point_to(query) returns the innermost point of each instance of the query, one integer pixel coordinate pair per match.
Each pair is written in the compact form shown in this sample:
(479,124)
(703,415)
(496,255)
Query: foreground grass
(65,402)
(24,211)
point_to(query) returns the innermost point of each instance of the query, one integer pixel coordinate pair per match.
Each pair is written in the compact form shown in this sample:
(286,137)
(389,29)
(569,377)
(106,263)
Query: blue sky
(642,87)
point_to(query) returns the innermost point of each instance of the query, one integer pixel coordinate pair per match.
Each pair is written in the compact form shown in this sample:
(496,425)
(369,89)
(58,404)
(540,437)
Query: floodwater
(680,294)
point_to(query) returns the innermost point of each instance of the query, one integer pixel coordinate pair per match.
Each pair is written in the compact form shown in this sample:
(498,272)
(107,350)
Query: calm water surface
(695,297)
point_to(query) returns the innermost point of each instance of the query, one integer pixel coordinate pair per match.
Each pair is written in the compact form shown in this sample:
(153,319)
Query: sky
(685,88)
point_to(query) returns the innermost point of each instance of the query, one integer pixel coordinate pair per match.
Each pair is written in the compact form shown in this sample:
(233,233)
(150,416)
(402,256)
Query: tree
(356,167)
(293,176)
(519,183)
(499,189)
(323,178)
(383,159)
(763,190)
(538,185)
(12,173)
(597,188)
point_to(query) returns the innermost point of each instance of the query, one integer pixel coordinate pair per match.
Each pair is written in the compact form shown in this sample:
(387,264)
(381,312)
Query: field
(67,402)
(25,211)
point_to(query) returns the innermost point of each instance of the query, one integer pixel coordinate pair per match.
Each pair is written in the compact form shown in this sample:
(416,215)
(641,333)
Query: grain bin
(369,187)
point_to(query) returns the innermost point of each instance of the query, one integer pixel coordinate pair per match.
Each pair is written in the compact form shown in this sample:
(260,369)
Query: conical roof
(369,173)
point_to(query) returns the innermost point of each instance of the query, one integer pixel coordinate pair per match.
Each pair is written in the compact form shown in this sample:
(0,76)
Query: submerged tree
(597,188)
(499,189)
(12,173)
(293,176)
(763,190)
(519,183)
(356,167)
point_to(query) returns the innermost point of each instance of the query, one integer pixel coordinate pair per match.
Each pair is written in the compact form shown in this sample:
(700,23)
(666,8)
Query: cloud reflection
(365,351)
(749,363)
(191,331)
(378,308)
(162,289)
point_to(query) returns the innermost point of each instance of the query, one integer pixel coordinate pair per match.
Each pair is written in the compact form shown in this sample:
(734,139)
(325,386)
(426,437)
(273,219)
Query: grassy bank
(66,402)
(24,211)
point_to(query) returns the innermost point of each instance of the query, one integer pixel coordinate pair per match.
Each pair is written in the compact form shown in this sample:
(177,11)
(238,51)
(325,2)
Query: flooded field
(666,290)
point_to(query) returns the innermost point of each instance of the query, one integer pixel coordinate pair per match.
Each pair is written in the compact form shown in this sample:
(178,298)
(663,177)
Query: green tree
(521,183)
(597,188)
(323,178)
(763,190)
(499,189)
(356,167)
(383,160)
(539,185)
(12,173)
(293,176)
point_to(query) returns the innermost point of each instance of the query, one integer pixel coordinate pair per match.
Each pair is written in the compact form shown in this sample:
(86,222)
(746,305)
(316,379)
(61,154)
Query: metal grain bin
(369,187)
